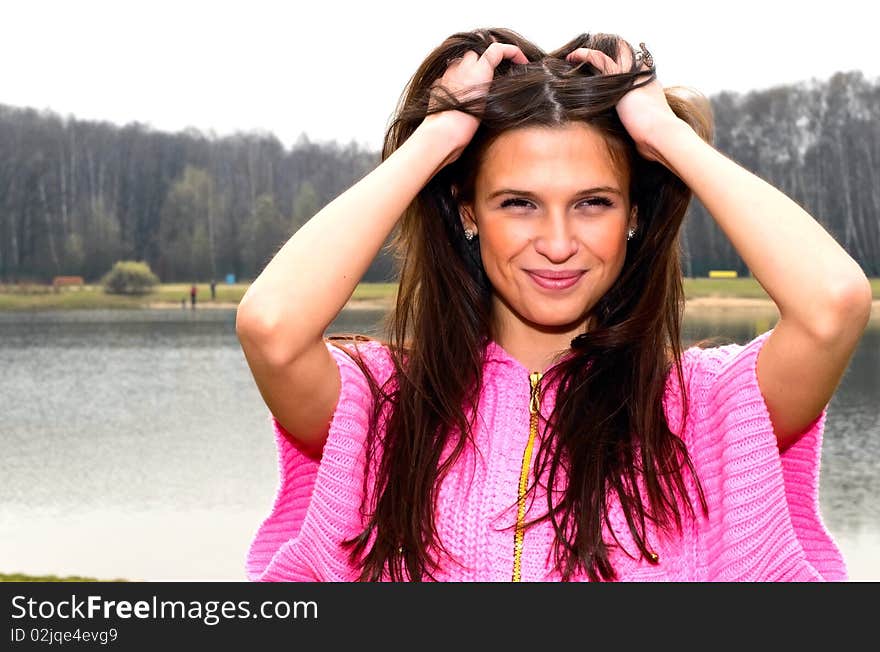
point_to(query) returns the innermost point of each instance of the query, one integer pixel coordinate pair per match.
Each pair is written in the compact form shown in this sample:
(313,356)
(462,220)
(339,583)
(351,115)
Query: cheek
(500,245)
(604,238)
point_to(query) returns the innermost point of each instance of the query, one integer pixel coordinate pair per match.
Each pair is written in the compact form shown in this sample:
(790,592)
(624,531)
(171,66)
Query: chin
(557,319)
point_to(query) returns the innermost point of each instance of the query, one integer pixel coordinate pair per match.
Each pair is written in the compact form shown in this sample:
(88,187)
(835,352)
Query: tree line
(78,195)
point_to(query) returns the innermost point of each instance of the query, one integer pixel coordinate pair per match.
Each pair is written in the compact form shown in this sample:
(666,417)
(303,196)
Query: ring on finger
(644,56)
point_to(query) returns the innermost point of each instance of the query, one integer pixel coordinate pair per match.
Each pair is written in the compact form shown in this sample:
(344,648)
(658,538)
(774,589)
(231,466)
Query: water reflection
(137,445)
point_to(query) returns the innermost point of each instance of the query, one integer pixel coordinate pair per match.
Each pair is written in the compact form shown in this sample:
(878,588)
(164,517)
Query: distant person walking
(213,290)
(192,296)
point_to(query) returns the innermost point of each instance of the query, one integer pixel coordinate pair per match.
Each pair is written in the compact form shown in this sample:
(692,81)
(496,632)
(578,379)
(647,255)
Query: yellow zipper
(519,532)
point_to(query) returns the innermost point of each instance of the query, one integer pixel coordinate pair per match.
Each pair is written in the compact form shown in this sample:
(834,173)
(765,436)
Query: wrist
(431,144)
(452,129)
(665,139)
(664,133)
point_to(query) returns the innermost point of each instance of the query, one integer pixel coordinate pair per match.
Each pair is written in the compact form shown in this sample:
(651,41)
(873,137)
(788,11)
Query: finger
(599,59)
(625,54)
(498,51)
(454,62)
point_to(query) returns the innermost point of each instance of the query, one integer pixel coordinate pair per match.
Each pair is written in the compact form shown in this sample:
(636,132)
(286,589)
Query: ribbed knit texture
(763,520)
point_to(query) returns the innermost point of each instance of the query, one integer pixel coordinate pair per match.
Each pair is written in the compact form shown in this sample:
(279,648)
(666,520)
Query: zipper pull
(535,397)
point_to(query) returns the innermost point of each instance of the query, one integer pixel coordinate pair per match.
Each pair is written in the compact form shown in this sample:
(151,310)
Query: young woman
(532,415)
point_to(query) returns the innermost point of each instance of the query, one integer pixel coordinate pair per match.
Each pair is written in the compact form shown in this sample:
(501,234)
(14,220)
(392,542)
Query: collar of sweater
(494,352)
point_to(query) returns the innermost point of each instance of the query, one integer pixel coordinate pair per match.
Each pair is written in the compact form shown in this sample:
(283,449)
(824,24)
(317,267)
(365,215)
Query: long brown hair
(438,328)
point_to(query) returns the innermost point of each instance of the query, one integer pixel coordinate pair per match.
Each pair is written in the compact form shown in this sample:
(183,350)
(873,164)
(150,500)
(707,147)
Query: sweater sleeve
(764,522)
(317,501)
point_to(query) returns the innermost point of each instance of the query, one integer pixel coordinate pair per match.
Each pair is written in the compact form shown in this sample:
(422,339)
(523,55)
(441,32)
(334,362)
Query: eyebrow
(527,193)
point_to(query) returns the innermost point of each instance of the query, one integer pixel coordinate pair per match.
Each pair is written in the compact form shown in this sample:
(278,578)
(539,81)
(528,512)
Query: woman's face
(548,201)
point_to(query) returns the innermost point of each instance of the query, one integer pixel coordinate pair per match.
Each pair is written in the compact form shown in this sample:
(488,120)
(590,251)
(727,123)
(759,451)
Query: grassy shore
(21,577)
(176,295)
(165,295)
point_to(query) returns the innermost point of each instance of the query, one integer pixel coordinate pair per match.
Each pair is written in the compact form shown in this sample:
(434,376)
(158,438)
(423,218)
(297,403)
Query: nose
(555,238)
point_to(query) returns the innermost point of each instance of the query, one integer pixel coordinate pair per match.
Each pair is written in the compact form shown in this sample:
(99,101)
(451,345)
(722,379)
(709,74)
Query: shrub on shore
(129,277)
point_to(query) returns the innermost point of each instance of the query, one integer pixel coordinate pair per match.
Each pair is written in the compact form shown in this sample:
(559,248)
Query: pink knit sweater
(763,522)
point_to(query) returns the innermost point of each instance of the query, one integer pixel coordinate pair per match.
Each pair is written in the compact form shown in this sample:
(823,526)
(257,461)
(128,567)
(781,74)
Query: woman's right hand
(468,77)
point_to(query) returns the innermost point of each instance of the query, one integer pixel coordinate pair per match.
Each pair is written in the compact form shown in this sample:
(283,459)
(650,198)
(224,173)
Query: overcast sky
(335,69)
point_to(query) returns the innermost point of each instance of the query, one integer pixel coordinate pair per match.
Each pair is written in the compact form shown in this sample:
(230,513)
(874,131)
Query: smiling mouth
(556,280)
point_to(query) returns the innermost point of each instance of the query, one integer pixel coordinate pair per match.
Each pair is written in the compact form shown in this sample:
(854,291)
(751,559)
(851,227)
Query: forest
(78,195)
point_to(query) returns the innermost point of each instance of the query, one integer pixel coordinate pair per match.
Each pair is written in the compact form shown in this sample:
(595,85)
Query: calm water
(136,445)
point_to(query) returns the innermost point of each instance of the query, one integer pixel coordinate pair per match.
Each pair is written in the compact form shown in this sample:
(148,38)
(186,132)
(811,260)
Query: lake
(136,444)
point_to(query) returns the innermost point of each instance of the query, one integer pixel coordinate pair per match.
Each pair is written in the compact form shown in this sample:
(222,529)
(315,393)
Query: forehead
(538,157)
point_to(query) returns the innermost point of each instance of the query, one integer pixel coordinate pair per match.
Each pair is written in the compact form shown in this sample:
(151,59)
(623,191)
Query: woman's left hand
(642,110)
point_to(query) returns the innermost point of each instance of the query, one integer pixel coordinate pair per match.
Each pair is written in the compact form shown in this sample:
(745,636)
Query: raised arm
(823,296)
(282,317)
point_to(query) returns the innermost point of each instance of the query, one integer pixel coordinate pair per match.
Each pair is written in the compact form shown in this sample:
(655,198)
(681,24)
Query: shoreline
(354,304)
(762,306)
(386,304)
(758,306)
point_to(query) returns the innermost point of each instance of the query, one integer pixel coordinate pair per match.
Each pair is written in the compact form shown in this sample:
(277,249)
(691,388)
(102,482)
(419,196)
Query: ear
(466,213)
(633,222)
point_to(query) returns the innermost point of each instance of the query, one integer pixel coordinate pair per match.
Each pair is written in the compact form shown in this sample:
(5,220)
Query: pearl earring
(630,234)
(469,234)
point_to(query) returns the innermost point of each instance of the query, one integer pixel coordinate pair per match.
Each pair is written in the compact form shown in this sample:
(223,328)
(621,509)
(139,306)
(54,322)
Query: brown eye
(597,201)
(514,202)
